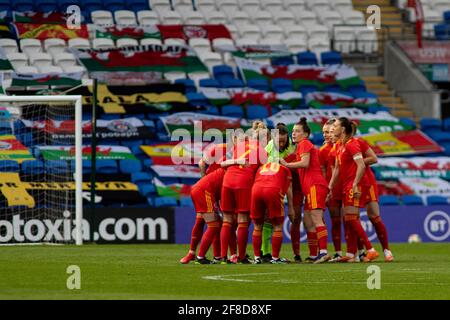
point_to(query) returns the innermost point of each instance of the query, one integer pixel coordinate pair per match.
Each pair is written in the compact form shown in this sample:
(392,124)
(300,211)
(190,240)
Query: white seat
(74,69)
(233,30)
(306,17)
(192,17)
(65,59)
(215,17)
(50,69)
(295,31)
(272,5)
(30,45)
(40,59)
(79,43)
(344,39)
(318,45)
(229,7)
(353,17)
(249,5)
(341,5)
(182,5)
(170,17)
(432,15)
(246,42)
(270,42)
(441,5)
(125,17)
(211,59)
(366,40)
(54,45)
(102,43)
(250,31)
(261,18)
(239,18)
(126,42)
(147,17)
(26,69)
(296,45)
(295,6)
(271,31)
(159,5)
(318,5)
(206,6)
(197,76)
(102,17)
(222,42)
(150,42)
(9,45)
(284,18)
(330,18)
(174,42)
(174,75)
(17,59)
(318,31)
(200,44)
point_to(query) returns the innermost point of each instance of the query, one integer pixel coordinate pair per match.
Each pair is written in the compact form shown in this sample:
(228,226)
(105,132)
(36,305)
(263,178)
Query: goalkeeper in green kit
(280,147)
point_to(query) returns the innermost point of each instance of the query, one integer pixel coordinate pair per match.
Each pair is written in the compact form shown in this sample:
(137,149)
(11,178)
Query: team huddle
(249,179)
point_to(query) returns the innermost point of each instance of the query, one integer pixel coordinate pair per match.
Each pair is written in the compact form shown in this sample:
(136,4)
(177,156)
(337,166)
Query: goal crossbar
(77,99)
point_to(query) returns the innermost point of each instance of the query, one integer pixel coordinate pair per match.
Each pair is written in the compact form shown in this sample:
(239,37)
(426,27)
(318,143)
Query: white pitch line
(225,277)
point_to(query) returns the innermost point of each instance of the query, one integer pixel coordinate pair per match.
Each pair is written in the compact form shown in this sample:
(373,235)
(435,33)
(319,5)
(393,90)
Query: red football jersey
(311,176)
(347,165)
(242,177)
(324,153)
(212,182)
(369,173)
(273,175)
(296,186)
(214,155)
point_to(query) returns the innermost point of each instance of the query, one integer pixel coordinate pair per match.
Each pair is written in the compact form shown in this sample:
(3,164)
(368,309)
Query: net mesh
(37,165)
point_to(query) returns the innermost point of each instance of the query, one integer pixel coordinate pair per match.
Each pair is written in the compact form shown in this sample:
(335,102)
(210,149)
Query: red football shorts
(350,201)
(235,200)
(373,193)
(204,201)
(316,198)
(270,199)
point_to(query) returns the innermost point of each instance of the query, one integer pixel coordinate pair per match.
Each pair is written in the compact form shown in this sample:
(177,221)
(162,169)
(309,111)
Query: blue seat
(110,116)
(440,137)
(46,5)
(357,88)
(330,57)
(412,200)
(209,83)
(63,4)
(305,89)
(212,110)
(5,127)
(317,140)
(87,166)
(283,61)
(141,177)
(447,16)
(389,200)
(223,71)
(138,5)
(258,84)
(231,83)
(188,84)
(130,166)
(56,167)
(446,147)
(147,190)
(197,99)
(106,166)
(147,163)
(92,5)
(5,5)
(168,181)
(437,201)
(33,167)
(9,166)
(22,5)
(232,111)
(151,201)
(307,58)
(186,202)
(408,121)
(257,112)
(189,181)
(165,202)
(446,124)
(430,123)
(364,95)
(442,31)
(114,5)
(280,85)
(334,88)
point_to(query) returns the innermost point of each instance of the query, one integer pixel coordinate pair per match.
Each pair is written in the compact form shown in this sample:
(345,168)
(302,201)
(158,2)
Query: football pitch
(421,271)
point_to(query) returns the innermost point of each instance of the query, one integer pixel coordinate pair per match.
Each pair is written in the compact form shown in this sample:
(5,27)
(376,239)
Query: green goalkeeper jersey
(274,154)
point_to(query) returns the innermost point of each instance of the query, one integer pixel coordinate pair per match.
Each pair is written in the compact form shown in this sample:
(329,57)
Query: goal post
(18,102)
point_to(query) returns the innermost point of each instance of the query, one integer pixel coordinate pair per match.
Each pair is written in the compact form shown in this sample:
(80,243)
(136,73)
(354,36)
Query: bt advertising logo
(437,226)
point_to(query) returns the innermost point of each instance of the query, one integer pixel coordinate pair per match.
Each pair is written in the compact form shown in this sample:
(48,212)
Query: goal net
(40,169)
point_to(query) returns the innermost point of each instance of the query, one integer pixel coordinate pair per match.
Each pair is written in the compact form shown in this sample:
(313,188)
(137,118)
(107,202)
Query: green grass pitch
(421,271)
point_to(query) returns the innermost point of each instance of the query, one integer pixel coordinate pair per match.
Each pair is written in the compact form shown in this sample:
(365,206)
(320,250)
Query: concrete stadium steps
(379,86)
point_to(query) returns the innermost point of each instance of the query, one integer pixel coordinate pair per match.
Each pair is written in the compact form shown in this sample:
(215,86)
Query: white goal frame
(77,99)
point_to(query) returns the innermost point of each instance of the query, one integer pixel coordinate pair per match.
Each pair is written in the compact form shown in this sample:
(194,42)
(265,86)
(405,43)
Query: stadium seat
(46,5)
(165,202)
(138,5)
(102,17)
(22,5)
(9,166)
(440,137)
(446,124)
(130,166)
(388,200)
(307,58)
(5,6)
(188,84)
(447,17)
(231,83)
(92,5)
(222,71)
(147,190)
(258,84)
(257,112)
(186,202)
(9,45)
(147,17)
(331,57)
(124,17)
(232,111)
(409,122)
(31,167)
(114,5)
(126,42)
(56,167)
(197,99)
(283,61)
(430,123)
(63,4)
(437,201)
(209,83)
(412,200)
(280,85)
(5,127)
(106,166)
(442,31)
